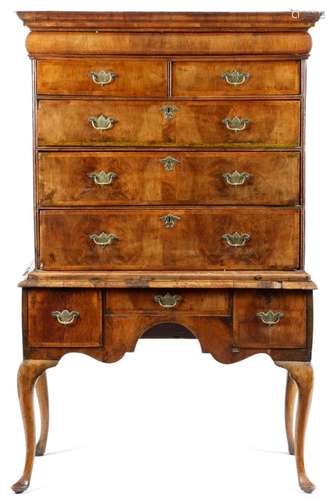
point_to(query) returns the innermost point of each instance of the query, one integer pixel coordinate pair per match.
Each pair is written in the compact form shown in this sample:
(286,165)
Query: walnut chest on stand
(169,195)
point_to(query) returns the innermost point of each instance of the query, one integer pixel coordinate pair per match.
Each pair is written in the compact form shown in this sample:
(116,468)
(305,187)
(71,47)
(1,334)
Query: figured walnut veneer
(169,195)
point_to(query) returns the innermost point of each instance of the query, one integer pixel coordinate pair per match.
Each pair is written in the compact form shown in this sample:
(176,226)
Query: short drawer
(232,123)
(157,178)
(235,78)
(160,301)
(274,319)
(64,318)
(170,239)
(102,77)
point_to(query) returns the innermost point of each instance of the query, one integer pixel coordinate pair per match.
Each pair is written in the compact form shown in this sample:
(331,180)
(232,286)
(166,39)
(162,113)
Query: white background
(166,422)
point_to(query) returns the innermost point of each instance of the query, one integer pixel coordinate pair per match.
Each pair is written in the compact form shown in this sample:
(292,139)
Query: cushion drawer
(286,329)
(102,77)
(49,325)
(267,238)
(235,78)
(261,178)
(194,123)
(158,301)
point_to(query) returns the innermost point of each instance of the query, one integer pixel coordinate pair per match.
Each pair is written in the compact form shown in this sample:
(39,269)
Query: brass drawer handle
(170,220)
(236,124)
(102,122)
(235,77)
(169,163)
(169,111)
(236,239)
(236,178)
(167,301)
(65,317)
(103,77)
(270,318)
(103,238)
(102,178)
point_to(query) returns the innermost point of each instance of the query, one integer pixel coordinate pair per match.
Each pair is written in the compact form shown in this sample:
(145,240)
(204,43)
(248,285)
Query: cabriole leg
(29,372)
(43,401)
(302,374)
(291,393)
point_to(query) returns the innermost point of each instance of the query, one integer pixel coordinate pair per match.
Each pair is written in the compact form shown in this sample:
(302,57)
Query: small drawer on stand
(161,301)
(274,319)
(64,318)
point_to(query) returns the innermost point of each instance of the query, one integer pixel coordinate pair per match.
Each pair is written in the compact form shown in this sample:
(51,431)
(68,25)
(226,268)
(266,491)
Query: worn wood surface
(65,179)
(195,123)
(144,242)
(170,279)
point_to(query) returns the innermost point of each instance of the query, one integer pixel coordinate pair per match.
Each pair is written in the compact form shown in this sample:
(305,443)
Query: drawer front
(64,318)
(102,77)
(253,178)
(160,301)
(153,239)
(179,123)
(270,319)
(234,78)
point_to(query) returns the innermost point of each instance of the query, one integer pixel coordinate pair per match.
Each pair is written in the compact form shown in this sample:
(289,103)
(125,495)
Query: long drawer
(225,178)
(153,239)
(179,123)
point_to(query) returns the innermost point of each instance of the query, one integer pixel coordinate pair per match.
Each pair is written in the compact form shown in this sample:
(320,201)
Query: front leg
(28,373)
(43,401)
(302,374)
(290,397)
